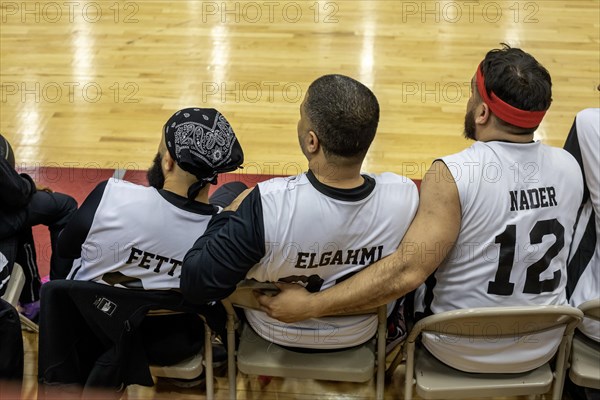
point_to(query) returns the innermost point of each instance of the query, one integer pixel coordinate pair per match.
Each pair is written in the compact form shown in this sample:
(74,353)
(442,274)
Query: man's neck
(181,189)
(489,135)
(334,175)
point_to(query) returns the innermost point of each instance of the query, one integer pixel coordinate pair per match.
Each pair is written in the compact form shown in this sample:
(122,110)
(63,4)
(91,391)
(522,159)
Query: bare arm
(428,240)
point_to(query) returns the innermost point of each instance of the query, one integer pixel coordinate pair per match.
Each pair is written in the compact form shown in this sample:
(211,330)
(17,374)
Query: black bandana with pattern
(202,142)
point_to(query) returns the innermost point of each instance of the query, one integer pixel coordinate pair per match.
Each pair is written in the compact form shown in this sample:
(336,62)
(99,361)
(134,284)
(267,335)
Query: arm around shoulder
(436,226)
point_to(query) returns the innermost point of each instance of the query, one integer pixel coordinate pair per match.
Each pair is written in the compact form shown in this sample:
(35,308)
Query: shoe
(396,330)
(186,383)
(31,310)
(219,354)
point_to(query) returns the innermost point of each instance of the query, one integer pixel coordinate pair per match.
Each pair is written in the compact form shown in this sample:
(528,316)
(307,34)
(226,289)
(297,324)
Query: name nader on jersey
(532,198)
(363,256)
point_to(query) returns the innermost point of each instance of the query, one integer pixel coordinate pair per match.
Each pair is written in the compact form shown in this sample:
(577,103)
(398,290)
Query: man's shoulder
(591,115)
(281,184)
(393,179)
(121,184)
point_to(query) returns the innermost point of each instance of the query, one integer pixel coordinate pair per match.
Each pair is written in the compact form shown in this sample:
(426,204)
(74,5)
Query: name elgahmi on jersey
(364,256)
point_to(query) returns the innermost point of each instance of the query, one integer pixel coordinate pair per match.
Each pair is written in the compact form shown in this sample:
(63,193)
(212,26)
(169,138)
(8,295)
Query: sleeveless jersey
(316,239)
(518,204)
(137,239)
(584,261)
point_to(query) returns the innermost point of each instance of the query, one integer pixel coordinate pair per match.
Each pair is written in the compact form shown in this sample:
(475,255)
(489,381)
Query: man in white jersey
(494,223)
(584,262)
(584,259)
(317,228)
(134,237)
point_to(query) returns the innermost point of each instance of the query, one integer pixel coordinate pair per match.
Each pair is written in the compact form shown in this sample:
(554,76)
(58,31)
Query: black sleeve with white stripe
(74,234)
(572,146)
(232,244)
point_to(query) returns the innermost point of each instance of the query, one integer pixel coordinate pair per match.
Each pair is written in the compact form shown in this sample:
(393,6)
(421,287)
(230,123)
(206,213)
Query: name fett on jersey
(532,198)
(149,260)
(364,256)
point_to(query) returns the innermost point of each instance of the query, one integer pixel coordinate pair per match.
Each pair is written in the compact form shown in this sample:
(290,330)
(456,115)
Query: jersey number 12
(501,284)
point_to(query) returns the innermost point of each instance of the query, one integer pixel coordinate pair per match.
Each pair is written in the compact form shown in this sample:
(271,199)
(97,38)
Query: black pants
(53,210)
(11,343)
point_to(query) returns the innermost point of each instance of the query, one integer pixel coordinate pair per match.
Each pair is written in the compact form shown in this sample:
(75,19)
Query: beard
(470,127)
(156,178)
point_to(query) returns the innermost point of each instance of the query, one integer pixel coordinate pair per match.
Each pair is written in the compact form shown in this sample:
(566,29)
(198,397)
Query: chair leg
(395,363)
(561,367)
(231,367)
(410,366)
(29,324)
(208,363)
(381,332)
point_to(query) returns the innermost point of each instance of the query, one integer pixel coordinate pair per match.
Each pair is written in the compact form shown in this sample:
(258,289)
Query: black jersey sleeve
(572,146)
(15,189)
(232,244)
(74,234)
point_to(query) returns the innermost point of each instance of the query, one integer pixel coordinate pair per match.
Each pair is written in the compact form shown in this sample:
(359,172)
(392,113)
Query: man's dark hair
(519,80)
(344,114)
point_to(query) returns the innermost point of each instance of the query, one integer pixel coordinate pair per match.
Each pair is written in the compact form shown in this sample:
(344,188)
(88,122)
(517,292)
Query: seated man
(494,225)
(317,228)
(134,237)
(583,282)
(584,264)
(22,206)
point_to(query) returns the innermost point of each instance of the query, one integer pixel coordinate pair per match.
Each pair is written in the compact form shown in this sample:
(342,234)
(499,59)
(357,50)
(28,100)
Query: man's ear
(482,114)
(167,162)
(312,142)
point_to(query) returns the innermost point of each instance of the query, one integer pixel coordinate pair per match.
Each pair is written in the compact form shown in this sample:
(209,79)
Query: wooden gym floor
(90,84)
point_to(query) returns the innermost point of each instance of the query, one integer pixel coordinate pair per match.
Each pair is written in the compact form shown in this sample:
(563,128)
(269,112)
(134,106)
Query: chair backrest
(14,286)
(244,297)
(507,321)
(591,309)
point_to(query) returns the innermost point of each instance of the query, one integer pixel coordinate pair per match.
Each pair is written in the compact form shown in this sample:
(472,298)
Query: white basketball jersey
(317,240)
(137,239)
(519,204)
(588,283)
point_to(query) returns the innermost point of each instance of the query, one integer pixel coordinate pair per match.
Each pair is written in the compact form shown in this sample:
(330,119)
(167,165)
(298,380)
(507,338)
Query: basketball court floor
(85,87)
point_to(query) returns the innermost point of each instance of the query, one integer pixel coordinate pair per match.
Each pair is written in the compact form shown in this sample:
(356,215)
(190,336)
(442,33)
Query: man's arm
(16,189)
(232,244)
(74,234)
(428,240)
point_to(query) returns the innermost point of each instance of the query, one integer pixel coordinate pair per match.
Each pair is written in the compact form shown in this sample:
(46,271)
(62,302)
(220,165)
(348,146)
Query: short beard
(470,127)
(156,178)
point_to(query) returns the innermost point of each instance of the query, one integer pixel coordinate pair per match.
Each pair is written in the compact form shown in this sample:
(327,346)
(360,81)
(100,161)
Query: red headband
(506,112)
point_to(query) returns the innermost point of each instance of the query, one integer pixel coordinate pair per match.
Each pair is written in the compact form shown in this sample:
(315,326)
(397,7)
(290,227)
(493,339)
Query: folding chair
(13,292)
(257,356)
(585,354)
(191,367)
(14,286)
(435,380)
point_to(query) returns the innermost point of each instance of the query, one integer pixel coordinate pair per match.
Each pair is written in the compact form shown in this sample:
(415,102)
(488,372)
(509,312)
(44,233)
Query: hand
(291,304)
(238,200)
(42,188)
